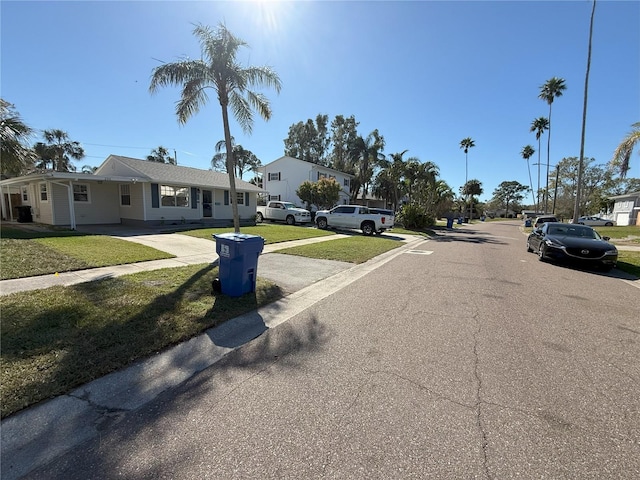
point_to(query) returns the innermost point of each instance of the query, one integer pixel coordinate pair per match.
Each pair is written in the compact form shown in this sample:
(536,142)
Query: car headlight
(611,252)
(551,243)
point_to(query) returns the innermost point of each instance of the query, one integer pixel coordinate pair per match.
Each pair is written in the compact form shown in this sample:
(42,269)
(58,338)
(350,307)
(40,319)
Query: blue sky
(426,74)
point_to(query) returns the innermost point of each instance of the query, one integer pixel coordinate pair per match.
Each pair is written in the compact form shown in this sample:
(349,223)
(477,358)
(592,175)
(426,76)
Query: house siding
(626,210)
(42,211)
(104,195)
(293,172)
(135,211)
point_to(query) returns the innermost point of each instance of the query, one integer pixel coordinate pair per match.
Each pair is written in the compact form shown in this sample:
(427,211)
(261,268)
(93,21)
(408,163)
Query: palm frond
(241,111)
(263,76)
(622,154)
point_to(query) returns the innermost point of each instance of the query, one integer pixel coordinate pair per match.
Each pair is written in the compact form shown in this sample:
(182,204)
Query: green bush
(414,217)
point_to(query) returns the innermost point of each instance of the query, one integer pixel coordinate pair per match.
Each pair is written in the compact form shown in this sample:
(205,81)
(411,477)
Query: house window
(274,176)
(274,197)
(346,182)
(125,195)
(240,197)
(174,196)
(25,195)
(81,192)
(321,175)
(44,193)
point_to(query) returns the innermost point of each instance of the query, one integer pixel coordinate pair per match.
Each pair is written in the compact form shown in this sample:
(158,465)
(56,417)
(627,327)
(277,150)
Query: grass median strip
(353,249)
(270,233)
(56,339)
(629,262)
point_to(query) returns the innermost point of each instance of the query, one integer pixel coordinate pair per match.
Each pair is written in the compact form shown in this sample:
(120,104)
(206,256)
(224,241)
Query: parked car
(354,217)
(595,221)
(566,242)
(542,219)
(276,211)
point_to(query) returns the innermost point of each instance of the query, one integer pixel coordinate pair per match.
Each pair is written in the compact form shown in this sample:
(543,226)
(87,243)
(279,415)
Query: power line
(119,146)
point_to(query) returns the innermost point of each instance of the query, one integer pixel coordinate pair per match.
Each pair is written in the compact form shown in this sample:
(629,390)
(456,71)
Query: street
(464,357)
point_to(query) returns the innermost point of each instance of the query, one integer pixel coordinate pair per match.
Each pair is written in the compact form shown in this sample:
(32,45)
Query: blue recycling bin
(450,222)
(238,268)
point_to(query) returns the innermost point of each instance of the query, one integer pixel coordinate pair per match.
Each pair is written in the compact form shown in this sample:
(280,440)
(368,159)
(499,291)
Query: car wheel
(541,255)
(322,223)
(529,249)
(368,228)
(291,220)
(608,224)
(259,218)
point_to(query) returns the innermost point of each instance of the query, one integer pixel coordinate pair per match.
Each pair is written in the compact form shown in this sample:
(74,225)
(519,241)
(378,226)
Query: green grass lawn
(271,233)
(356,249)
(56,339)
(27,254)
(629,262)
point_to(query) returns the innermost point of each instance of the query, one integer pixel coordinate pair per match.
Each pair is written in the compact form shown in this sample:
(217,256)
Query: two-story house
(282,177)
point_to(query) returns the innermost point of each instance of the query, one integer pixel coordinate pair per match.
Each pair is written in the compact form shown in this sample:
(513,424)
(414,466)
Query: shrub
(412,216)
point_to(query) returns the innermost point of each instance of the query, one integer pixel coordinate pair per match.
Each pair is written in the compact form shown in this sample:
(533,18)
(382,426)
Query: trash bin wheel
(216,286)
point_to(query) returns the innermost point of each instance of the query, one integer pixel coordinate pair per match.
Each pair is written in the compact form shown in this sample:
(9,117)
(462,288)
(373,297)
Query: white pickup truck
(354,217)
(277,211)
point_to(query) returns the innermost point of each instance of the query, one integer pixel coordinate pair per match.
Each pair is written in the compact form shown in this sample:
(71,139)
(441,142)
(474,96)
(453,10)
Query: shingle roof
(176,174)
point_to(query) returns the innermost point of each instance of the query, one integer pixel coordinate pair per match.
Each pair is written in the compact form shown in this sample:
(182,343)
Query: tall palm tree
(539,125)
(526,153)
(466,144)
(549,91)
(368,152)
(17,158)
(61,150)
(576,206)
(219,70)
(471,188)
(622,154)
(393,170)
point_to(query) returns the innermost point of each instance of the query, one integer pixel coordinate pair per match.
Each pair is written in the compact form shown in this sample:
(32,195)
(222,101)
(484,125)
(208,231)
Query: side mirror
(606,239)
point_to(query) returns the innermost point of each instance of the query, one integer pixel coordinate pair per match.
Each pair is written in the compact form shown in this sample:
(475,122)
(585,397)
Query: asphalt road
(463,358)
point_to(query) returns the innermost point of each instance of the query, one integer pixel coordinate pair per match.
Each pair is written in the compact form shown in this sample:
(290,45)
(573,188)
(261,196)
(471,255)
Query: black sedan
(571,243)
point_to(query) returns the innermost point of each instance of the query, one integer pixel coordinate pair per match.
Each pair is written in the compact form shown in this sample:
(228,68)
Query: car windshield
(573,231)
(288,206)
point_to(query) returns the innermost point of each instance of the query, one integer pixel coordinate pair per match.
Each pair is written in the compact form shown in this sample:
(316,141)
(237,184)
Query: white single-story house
(127,191)
(282,177)
(626,209)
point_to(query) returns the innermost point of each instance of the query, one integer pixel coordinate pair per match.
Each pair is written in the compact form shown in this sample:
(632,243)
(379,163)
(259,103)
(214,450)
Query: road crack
(106,415)
(479,402)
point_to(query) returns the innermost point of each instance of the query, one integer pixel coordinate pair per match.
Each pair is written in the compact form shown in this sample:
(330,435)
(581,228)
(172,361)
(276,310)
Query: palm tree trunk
(530,182)
(576,207)
(546,185)
(231,170)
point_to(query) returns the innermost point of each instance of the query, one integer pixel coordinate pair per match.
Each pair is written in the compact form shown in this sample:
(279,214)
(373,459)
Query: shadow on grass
(139,320)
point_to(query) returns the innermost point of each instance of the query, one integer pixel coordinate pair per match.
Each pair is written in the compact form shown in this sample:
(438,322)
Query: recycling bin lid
(238,237)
